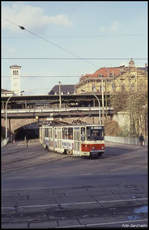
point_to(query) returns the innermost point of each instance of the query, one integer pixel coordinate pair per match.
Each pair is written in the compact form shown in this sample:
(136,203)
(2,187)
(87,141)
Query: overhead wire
(75,57)
(53,76)
(81,58)
(86,36)
(49,41)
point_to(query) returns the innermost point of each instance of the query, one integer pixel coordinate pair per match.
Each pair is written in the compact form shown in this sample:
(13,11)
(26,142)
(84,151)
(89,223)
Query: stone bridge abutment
(14,124)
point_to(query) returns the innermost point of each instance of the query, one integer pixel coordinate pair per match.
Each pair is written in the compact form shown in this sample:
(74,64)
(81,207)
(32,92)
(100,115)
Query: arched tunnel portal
(31,131)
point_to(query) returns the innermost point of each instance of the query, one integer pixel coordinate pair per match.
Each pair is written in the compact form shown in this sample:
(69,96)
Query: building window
(15,72)
(113,85)
(132,76)
(132,86)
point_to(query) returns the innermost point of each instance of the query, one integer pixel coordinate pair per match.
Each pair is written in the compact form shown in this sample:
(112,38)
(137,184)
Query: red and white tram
(77,140)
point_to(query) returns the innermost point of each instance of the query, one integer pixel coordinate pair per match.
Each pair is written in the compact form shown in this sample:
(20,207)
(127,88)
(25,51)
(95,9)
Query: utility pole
(106,100)
(6,116)
(60,101)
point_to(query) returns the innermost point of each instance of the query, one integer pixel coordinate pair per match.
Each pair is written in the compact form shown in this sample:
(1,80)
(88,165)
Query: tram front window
(95,133)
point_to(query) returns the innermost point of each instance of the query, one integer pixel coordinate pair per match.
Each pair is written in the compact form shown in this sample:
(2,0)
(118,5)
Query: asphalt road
(43,189)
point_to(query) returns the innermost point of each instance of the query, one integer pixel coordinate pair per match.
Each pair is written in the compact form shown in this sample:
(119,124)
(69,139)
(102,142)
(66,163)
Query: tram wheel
(65,151)
(91,157)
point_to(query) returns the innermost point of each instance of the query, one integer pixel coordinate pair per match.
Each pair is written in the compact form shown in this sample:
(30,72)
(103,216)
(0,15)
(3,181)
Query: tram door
(76,150)
(59,139)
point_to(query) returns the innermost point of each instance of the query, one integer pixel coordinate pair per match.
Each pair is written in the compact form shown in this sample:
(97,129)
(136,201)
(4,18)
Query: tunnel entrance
(31,131)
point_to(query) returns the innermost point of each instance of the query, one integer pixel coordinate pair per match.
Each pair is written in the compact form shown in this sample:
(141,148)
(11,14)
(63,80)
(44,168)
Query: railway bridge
(25,113)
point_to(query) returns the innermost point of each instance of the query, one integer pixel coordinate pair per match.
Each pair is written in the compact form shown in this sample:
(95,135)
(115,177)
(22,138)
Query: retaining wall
(4,142)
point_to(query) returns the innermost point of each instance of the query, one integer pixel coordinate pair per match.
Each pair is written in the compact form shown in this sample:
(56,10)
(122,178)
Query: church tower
(15,79)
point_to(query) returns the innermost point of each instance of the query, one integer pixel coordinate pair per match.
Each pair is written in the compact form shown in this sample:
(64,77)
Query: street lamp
(102,92)
(6,116)
(98,104)
(6,113)
(99,107)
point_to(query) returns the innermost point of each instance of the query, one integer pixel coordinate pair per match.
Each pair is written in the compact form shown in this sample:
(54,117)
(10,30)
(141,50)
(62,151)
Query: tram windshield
(95,133)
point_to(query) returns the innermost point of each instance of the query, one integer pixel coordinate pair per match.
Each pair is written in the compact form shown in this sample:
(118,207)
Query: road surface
(42,189)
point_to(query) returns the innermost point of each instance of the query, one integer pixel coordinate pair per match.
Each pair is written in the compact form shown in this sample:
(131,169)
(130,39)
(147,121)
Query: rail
(54,110)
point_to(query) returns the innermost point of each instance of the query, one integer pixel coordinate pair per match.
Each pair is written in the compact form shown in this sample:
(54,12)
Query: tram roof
(68,125)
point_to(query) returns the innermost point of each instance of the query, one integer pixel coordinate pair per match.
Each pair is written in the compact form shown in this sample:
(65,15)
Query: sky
(64,40)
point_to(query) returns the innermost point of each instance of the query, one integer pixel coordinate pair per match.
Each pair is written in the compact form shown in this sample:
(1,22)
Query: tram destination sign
(96,127)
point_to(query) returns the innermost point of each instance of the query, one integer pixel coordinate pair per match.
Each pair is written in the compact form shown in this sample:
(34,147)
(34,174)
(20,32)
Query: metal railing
(54,110)
(125,140)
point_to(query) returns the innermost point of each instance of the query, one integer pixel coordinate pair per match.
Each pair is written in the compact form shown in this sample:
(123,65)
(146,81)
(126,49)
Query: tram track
(74,192)
(24,158)
(126,211)
(42,158)
(30,164)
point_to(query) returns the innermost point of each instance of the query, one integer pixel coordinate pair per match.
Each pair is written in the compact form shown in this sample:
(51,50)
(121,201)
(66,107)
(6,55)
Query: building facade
(112,79)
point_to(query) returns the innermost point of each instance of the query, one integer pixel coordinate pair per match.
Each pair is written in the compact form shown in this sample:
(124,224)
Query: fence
(125,140)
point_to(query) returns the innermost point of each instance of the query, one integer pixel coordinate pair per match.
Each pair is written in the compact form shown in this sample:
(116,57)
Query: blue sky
(69,29)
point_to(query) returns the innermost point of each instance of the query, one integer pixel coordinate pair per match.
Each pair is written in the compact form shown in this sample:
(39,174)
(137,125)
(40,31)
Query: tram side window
(64,133)
(70,133)
(46,132)
(82,134)
(50,133)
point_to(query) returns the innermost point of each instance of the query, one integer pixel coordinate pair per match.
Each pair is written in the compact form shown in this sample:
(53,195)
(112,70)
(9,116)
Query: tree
(119,101)
(135,103)
(137,108)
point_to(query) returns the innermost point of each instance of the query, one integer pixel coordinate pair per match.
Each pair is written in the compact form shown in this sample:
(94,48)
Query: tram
(73,139)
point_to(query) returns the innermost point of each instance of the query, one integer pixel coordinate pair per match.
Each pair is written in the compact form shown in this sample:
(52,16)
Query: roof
(65,89)
(105,72)
(108,71)
(6,91)
(15,66)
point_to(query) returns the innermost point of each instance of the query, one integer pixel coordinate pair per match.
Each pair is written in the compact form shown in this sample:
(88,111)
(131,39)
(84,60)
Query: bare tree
(135,103)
